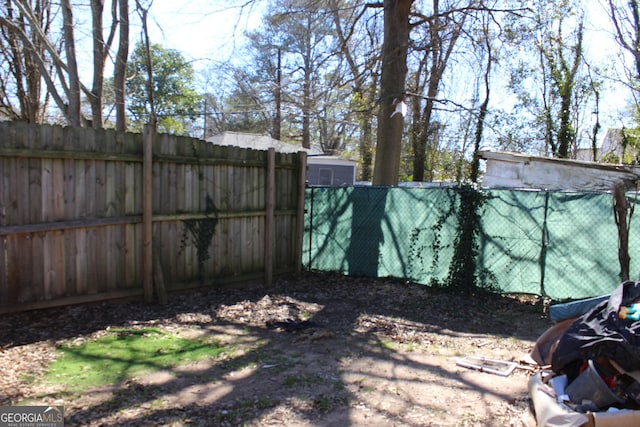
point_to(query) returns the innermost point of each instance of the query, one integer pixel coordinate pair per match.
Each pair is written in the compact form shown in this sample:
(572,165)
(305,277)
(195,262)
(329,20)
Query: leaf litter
(317,349)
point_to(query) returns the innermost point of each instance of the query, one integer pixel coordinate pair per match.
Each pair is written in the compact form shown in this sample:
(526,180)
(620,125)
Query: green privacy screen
(561,245)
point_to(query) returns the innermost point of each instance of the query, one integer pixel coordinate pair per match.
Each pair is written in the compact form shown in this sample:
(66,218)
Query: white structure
(514,170)
(321,169)
(256,142)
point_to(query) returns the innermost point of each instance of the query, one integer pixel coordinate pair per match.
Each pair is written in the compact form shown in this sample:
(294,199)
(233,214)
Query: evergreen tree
(175,98)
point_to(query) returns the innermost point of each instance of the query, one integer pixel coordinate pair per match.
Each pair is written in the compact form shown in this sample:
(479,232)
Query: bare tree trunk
(36,111)
(119,72)
(440,52)
(144,12)
(74,112)
(620,207)
(596,126)
(426,131)
(366,150)
(95,99)
(306,111)
(627,29)
(39,59)
(392,88)
(363,93)
(277,120)
(438,62)
(306,93)
(22,69)
(475,163)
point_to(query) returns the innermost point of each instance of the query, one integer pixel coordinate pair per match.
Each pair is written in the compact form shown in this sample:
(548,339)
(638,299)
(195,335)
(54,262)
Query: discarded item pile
(591,363)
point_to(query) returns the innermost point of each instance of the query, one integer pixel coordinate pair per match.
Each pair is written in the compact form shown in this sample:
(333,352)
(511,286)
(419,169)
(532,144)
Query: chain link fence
(556,244)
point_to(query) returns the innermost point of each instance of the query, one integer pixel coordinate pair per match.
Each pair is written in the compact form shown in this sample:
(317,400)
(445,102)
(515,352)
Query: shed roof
(257,142)
(333,160)
(516,170)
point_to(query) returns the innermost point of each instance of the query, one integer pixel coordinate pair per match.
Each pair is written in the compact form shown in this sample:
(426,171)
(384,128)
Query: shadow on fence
(555,244)
(77,214)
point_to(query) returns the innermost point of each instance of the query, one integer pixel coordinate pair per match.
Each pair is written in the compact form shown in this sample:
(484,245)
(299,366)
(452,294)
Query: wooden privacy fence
(84,212)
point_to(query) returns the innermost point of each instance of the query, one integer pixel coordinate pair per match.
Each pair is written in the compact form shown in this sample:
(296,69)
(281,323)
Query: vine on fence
(464,274)
(201,232)
(418,248)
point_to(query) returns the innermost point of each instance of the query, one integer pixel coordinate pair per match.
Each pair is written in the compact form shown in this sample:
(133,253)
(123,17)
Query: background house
(330,170)
(322,170)
(611,145)
(612,148)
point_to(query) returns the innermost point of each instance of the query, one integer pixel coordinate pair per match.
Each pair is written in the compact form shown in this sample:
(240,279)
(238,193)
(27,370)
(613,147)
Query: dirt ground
(315,350)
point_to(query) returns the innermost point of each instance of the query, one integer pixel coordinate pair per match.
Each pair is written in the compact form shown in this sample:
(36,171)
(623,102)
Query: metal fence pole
(545,244)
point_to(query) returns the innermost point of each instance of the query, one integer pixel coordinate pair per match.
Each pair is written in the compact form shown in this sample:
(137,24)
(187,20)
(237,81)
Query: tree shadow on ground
(379,353)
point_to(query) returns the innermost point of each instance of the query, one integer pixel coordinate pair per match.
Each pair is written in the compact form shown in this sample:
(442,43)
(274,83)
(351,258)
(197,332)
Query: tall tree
(73,90)
(357,34)
(30,27)
(625,16)
(306,54)
(485,40)
(261,94)
(392,91)
(563,74)
(553,88)
(175,100)
(444,22)
(101,52)
(441,35)
(21,93)
(120,66)
(294,71)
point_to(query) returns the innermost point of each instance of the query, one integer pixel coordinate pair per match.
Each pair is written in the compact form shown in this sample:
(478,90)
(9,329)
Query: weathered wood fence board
(71,214)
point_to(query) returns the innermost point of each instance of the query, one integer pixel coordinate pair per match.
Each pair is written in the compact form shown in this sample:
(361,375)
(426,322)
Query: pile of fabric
(596,356)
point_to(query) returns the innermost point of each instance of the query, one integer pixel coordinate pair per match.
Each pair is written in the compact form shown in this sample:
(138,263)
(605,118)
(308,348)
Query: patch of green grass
(303,380)
(326,402)
(387,344)
(323,403)
(124,353)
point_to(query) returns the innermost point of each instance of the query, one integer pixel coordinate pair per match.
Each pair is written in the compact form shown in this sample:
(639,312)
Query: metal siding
(342,175)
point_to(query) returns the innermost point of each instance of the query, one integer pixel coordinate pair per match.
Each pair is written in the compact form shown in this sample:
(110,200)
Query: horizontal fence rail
(72,214)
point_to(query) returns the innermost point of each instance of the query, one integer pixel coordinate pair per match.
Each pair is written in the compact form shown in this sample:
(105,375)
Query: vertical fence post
(545,244)
(147,213)
(269,217)
(620,208)
(311,229)
(302,181)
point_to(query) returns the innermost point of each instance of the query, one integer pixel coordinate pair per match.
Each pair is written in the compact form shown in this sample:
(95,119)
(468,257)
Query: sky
(210,32)
(203,30)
